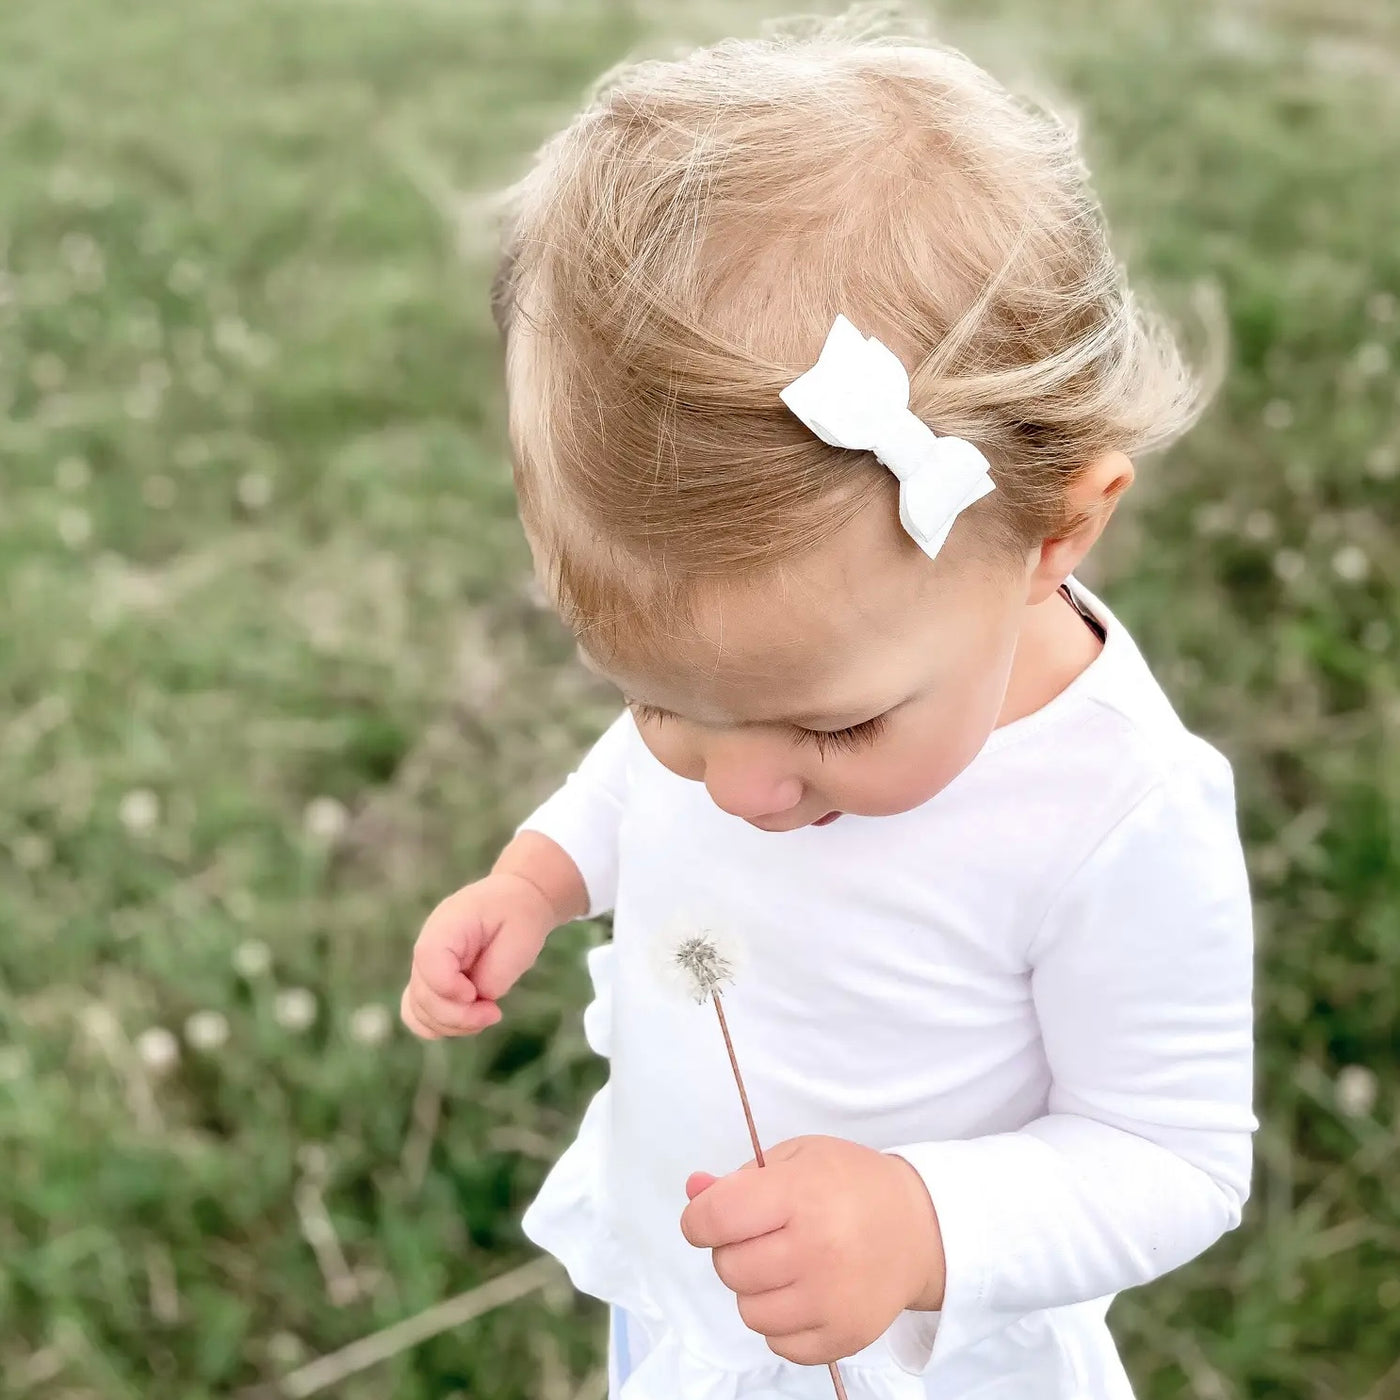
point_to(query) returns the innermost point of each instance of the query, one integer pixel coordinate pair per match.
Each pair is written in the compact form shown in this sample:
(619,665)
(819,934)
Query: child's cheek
(670,747)
(911,769)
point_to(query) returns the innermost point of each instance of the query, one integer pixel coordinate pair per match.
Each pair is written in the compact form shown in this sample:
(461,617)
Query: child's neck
(1054,647)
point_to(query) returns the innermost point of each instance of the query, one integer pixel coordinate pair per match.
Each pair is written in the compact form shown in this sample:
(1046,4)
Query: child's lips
(826,820)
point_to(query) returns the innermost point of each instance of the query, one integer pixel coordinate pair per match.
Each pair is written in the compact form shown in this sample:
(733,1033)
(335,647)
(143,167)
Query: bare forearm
(532,856)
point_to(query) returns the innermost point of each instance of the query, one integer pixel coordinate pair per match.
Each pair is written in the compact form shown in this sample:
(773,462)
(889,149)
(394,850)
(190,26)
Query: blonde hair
(676,255)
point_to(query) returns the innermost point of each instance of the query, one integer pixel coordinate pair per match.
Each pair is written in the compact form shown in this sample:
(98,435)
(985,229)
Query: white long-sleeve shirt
(1035,987)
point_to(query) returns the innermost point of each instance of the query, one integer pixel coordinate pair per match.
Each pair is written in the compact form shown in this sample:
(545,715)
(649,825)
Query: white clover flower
(1289,565)
(696,957)
(295,1009)
(1278,414)
(206,1030)
(1351,563)
(139,810)
(370,1024)
(1356,1089)
(325,819)
(252,958)
(158,1049)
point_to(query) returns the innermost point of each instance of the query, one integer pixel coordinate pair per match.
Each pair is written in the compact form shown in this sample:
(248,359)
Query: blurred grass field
(274,677)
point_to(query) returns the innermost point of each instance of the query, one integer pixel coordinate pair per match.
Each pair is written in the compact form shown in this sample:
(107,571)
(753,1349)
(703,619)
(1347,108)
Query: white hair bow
(857,396)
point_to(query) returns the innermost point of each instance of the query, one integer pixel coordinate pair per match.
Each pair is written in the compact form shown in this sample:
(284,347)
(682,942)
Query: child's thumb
(697,1182)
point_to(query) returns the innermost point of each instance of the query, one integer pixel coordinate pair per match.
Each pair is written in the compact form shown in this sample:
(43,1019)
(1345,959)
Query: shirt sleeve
(584,816)
(1141,976)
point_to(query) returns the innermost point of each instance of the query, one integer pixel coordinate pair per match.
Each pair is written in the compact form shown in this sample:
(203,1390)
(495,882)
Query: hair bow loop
(856,397)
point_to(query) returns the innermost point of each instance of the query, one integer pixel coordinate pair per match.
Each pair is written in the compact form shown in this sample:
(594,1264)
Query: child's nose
(741,784)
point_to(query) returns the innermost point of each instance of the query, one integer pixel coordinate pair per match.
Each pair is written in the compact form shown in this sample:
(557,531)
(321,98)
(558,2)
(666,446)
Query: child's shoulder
(1117,744)
(1134,717)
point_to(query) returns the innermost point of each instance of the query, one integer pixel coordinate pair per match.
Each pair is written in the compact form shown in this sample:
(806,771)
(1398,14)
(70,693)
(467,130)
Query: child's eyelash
(856,736)
(825,741)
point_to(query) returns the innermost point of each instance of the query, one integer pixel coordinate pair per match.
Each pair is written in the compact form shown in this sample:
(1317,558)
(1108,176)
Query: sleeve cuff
(589,842)
(584,816)
(965,1179)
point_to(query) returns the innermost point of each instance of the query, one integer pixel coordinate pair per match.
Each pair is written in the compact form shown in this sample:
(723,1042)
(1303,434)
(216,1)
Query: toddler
(823,381)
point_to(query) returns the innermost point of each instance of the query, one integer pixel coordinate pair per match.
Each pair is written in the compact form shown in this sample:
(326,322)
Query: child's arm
(1142,984)
(1142,980)
(561,866)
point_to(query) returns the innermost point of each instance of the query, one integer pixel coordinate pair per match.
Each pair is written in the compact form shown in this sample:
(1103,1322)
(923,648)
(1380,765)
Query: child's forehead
(839,632)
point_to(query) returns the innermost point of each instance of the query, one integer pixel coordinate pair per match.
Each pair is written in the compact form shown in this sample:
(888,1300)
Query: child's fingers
(759,1266)
(502,962)
(445,1014)
(409,1016)
(737,1207)
(439,965)
(696,1182)
(776,1312)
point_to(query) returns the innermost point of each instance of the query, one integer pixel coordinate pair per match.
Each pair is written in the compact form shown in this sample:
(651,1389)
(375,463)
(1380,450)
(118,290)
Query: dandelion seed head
(1373,359)
(74,527)
(1351,563)
(1383,462)
(1380,307)
(254,491)
(139,810)
(206,1030)
(295,1009)
(697,958)
(285,1349)
(1376,635)
(325,820)
(252,958)
(158,1049)
(72,474)
(313,1161)
(1259,525)
(370,1024)
(1356,1088)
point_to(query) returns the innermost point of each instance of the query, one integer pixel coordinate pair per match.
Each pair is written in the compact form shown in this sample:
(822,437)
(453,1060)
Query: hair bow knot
(856,396)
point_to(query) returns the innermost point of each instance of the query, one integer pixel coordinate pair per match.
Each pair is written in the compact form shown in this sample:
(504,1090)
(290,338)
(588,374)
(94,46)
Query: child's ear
(1088,505)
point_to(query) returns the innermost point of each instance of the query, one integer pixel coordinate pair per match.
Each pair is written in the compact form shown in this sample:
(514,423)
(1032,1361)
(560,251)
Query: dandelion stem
(757,1147)
(738,1079)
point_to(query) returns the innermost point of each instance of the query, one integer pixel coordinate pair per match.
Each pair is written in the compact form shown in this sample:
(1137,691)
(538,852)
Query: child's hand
(471,951)
(824,1246)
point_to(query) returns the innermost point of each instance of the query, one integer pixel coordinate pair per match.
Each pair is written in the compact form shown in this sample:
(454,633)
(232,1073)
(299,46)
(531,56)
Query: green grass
(273,673)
